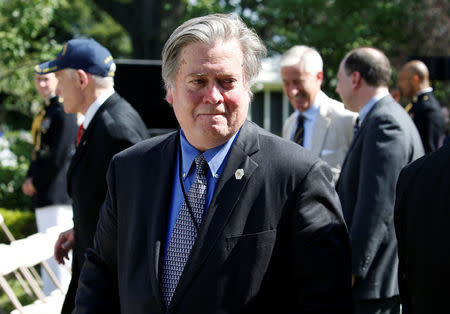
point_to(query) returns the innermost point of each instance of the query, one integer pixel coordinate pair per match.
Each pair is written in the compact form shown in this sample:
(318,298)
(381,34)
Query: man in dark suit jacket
(85,71)
(421,224)
(263,232)
(424,109)
(386,140)
(53,133)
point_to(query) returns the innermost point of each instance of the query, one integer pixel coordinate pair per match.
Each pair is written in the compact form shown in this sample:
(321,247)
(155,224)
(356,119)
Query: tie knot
(201,165)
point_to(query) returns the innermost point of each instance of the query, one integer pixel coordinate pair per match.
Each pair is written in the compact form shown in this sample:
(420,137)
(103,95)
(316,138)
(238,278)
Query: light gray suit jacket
(332,135)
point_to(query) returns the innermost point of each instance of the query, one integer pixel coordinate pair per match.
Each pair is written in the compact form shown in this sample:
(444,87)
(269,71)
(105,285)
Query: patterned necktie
(356,127)
(184,231)
(299,132)
(80,134)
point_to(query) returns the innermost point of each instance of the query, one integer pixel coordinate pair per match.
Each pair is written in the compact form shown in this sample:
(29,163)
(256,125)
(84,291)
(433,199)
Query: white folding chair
(34,250)
(8,265)
(52,305)
(17,274)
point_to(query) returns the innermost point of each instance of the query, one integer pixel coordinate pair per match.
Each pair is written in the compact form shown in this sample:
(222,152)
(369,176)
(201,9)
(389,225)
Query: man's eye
(228,82)
(198,81)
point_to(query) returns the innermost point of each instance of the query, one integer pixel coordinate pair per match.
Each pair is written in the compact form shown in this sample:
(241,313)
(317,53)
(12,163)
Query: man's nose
(293,90)
(213,94)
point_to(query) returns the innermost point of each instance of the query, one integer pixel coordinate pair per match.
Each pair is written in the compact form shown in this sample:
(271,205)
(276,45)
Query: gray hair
(103,81)
(312,61)
(100,81)
(209,29)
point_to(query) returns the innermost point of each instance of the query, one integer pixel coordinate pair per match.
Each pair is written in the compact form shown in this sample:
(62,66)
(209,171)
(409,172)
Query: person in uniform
(424,109)
(53,133)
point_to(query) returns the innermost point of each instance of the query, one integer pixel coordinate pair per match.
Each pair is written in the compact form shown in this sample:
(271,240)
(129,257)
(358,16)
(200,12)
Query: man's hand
(28,187)
(63,245)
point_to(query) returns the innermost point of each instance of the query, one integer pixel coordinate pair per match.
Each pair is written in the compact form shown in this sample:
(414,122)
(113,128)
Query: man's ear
(83,78)
(319,75)
(169,94)
(356,79)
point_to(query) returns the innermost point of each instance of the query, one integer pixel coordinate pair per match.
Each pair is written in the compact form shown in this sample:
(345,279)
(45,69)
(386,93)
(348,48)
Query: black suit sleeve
(98,288)
(321,250)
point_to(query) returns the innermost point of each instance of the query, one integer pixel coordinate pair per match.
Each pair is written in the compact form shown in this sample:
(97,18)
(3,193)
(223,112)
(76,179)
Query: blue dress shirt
(310,118)
(367,107)
(216,158)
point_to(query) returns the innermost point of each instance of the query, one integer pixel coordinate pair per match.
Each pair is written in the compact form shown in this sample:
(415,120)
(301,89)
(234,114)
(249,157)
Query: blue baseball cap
(85,54)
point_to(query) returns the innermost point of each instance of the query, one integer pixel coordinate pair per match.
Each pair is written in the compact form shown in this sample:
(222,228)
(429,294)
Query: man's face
(344,88)
(300,87)
(405,83)
(45,84)
(68,88)
(209,95)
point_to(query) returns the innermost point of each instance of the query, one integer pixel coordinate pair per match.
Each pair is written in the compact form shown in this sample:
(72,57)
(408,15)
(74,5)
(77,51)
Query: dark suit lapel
(88,134)
(224,201)
(156,219)
(360,135)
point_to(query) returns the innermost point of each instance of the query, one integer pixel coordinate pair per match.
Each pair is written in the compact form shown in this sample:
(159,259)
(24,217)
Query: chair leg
(23,284)
(35,274)
(10,293)
(33,284)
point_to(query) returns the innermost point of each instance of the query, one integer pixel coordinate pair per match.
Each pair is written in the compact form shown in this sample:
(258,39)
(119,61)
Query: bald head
(372,65)
(413,77)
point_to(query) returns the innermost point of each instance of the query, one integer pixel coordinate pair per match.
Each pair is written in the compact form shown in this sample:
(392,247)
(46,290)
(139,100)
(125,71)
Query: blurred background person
(424,109)
(85,71)
(319,123)
(53,133)
(395,93)
(421,225)
(385,141)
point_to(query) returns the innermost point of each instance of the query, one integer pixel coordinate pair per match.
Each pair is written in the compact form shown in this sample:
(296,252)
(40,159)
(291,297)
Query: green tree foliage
(400,28)
(24,25)
(33,31)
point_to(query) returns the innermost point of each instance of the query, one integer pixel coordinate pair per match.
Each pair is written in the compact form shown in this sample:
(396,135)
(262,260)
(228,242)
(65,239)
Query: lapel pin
(239,174)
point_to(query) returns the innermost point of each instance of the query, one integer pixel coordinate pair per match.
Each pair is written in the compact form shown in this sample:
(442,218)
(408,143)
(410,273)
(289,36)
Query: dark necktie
(80,134)
(299,132)
(184,231)
(356,127)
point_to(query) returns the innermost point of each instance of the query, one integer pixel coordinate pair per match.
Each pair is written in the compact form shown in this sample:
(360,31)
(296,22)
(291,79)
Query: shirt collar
(425,90)
(90,113)
(369,105)
(214,156)
(312,111)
